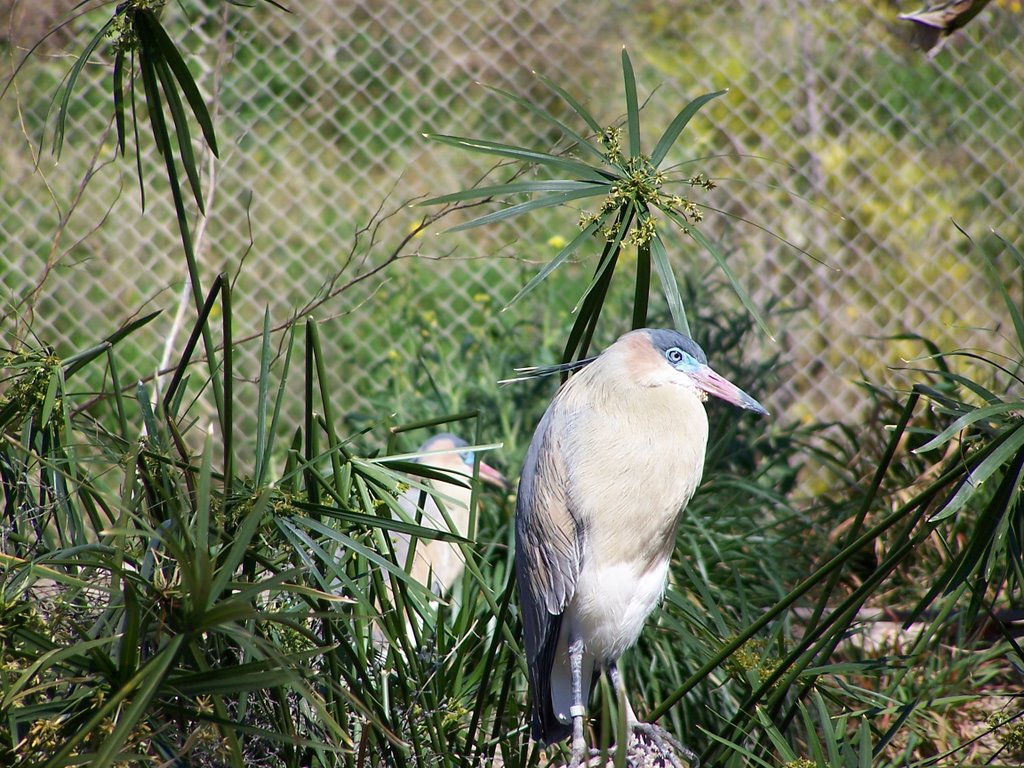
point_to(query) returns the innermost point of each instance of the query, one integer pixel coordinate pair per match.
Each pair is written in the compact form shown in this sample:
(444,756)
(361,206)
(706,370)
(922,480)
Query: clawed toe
(669,747)
(649,745)
(586,760)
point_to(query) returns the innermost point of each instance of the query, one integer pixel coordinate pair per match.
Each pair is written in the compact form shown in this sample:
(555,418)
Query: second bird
(437,564)
(615,459)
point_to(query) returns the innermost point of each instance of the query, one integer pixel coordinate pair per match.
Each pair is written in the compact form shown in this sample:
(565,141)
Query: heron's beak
(719,386)
(490,475)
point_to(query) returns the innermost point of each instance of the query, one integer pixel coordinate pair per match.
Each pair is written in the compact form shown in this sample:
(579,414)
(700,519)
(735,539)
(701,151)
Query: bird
(437,564)
(941,20)
(613,462)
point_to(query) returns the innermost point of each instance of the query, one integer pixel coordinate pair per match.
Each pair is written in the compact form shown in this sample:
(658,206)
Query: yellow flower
(557,241)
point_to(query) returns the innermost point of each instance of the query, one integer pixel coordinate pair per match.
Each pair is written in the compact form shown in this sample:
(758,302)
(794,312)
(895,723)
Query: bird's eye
(467,458)
(674,355)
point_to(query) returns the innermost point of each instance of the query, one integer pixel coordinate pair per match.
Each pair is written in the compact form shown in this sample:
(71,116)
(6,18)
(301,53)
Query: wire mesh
(841,156)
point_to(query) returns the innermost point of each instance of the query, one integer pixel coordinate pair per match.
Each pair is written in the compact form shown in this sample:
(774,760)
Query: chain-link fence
(841,157)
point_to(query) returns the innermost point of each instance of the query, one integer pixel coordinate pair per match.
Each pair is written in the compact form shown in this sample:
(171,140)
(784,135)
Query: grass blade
(576,107)
(261,400)
(632,105)
(712,249)
(513,188)
(77,361)
(190,345)
(547,201)
(135,133)
(281,390)
(642,292)
(669,285)
(547,117)
(530,156)
(181,130)
(995,461)
(1000,283)
(678,124)
(227,416)
(979,414)
(118,88)
(76,70)
(582,332)
(556,262)
(169,52)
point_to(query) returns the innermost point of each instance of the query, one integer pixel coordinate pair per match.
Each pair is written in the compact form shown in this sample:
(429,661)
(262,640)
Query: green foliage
(146,583)
(628,185)
(221,595)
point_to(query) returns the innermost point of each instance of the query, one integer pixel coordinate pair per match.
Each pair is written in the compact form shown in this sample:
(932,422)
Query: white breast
(633,470)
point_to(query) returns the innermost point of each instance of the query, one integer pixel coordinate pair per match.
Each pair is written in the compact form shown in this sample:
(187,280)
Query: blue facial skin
(665,340)
(682,361)
(686,356)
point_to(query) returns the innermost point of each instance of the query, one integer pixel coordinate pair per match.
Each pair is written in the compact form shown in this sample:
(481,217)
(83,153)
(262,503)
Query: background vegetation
(195,567)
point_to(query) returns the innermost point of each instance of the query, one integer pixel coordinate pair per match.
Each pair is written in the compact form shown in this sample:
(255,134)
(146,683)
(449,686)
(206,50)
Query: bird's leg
(578,709)
(667,744)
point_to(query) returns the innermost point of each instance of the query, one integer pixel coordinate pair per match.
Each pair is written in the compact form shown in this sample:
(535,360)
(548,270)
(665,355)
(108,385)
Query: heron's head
(449,452)
(663,357)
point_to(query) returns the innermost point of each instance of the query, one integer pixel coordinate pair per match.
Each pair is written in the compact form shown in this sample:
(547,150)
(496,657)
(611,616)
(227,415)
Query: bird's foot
(585,758)
(667,745)
(580,754)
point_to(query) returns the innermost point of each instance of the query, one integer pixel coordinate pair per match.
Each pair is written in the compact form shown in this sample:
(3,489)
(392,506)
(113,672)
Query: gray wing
(549,546)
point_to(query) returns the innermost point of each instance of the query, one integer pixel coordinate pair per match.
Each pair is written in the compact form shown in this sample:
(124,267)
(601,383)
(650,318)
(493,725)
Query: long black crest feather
(537,371)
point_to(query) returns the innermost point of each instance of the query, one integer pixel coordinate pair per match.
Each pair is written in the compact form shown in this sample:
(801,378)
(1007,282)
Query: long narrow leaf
(69,87)
(523,155)
(513,188)
(710,247)
(998,280)
(547,201)
(995,461)
(589,307)
(678,124)
(663,266)
(576,107)
(278,402)
(556,262)
(262,399)
(547,117)
(118,89)
(226,415)
(202,560)
(181,130)
(76,362)
(161,138)
(980,414)
(135,133)
(148,20)
(642,288)
(632,105)
(200,325)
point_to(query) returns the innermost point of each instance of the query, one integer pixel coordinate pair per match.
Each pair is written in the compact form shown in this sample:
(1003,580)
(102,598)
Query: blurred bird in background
(437,564)
(941,20)
(612,464)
